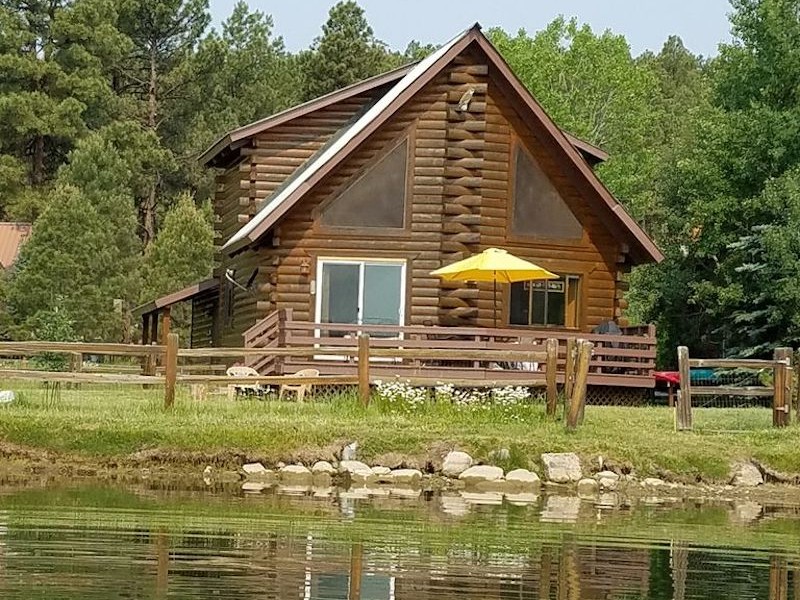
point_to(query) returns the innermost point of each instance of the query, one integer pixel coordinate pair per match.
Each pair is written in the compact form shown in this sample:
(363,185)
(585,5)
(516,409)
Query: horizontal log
(30,348)
(733,363)
(730,390)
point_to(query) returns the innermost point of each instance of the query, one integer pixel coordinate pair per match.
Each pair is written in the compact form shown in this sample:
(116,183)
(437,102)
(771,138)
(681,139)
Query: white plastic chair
(301,388)
(239,388)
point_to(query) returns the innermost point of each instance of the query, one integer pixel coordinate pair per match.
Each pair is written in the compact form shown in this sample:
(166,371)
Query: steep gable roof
(218,152)
(643,248)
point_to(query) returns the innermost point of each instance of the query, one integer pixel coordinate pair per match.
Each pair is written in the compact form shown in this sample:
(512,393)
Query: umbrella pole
(494,280)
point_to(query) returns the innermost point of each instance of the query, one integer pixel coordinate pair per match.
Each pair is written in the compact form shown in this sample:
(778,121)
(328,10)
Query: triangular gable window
(376,198)
(539,210)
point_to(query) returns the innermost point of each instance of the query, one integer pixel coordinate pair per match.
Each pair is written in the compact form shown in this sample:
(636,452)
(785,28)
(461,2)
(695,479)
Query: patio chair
(239,388)
(299,389)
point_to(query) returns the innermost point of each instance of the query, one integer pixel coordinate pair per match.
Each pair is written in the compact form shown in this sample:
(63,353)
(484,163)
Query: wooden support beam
(363,368)
(170,370)
(166,324)
(551,368)
(683,408)
(782,384)
(578,399)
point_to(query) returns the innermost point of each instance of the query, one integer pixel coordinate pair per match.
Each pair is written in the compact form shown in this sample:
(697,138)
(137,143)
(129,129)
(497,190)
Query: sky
(702,24)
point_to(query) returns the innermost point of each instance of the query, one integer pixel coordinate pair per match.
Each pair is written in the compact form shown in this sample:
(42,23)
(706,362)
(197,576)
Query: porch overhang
(162,306)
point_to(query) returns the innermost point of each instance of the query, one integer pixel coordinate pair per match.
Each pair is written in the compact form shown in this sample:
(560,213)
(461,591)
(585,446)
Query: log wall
(460,170)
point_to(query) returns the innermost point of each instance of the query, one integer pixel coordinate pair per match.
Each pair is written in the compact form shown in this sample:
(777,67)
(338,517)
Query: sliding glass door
(360,292)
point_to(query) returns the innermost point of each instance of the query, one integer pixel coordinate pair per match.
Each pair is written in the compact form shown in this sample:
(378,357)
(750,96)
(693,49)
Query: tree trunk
(149,207)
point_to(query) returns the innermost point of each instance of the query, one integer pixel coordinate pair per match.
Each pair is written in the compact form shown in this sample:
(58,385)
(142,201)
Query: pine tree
(55,60)
(157,74)
(346,52)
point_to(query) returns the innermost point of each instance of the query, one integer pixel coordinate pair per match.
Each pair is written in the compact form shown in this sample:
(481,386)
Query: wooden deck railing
(623,360)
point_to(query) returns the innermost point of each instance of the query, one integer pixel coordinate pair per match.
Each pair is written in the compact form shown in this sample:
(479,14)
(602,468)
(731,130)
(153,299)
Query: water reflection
(341,547)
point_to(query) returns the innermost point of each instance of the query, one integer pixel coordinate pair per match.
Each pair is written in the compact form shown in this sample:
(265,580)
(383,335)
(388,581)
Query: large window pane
(339,302)
(545,303)
(382,294)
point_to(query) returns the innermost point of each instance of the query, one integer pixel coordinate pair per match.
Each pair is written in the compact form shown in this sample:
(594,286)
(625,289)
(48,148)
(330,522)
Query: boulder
(296,475)
(562,467)
(522,479)
(455,463)
(608,480)
(588,487)
(406,476)
(501,454)
(357,471)
(653,482)
(379,471)
(746,475)
(323,466)
(481,474)
(254,469)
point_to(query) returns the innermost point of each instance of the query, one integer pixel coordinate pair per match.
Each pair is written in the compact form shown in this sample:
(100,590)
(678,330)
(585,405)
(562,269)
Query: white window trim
(362,263)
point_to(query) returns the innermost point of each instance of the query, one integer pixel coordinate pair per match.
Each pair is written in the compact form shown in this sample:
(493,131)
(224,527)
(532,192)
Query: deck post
(166,322)
(551,371)
(363,368)
(578,399)
(781,381)
(170,369)
(683,410)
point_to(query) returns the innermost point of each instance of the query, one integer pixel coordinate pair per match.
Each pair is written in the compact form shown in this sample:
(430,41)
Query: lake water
(117,542)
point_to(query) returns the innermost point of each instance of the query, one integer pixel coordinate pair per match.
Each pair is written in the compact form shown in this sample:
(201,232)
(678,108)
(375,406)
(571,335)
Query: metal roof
(186,293)
(12,235)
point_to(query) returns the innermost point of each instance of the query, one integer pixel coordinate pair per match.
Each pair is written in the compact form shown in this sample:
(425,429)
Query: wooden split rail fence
(780,390)
(170,372)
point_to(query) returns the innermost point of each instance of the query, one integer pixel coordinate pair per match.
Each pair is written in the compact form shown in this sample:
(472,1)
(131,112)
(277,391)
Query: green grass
(115,422)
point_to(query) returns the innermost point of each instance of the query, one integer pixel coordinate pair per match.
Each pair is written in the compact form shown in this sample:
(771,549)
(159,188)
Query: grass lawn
(115,422)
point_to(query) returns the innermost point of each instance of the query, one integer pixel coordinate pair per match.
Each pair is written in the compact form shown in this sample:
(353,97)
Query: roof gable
(642,248)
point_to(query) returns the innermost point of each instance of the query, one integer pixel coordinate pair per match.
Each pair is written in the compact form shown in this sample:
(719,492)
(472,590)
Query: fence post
(551,371)
(569,369)
(170,369)
(683,409)
(578,399)
(363,368)
(781,381)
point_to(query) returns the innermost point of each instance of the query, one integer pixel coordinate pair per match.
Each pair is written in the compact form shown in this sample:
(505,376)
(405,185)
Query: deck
(622,361)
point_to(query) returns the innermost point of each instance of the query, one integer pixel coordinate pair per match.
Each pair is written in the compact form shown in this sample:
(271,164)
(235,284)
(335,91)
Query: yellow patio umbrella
(493,264)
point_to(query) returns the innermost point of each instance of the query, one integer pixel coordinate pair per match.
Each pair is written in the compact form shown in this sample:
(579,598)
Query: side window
(375,199)
(538,209)
(547,303)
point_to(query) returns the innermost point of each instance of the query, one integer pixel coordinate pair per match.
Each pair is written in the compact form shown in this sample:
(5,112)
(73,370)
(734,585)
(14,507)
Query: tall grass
(108,421)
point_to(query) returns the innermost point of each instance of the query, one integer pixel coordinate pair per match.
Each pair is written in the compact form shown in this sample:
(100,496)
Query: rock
(522,479)
(7,396)
(349,452)
(379,471)
(608,480)
(481,474)
(281,464)
(296,475)
(746,475)
(254,469)
(357,471)
(406,476)
(323,466)
(588,487)
(653,482)
(455,463)
(562,467)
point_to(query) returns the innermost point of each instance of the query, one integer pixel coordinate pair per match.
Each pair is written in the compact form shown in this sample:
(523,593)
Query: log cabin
(336,212)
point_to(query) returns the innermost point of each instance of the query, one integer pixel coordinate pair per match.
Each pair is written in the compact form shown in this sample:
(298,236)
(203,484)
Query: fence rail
(780,389)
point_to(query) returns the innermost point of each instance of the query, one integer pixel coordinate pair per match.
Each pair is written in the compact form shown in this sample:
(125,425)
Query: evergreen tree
(72,262)
(181,254)
(55,59)
(183,251)
(158,73)
(346,52)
